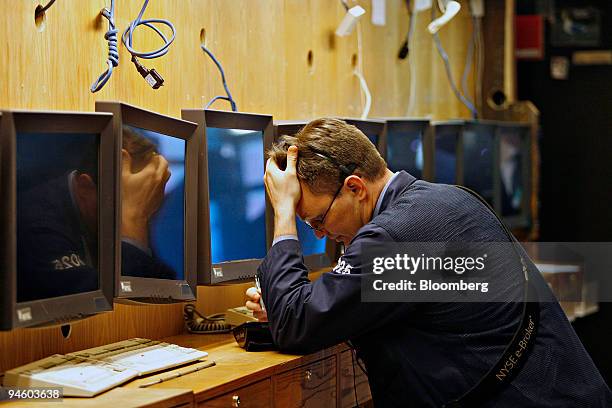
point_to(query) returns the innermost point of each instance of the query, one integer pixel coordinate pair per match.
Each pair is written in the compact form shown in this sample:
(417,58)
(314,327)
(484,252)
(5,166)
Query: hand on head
(142,194)
(283,187)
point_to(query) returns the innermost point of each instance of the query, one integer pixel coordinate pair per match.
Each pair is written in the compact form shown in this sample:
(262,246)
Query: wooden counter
(240,379)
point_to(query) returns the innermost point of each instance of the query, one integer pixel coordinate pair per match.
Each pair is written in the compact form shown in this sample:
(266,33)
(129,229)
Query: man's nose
(320,233)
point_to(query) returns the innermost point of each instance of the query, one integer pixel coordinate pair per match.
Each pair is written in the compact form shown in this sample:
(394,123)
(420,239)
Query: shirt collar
(382,195)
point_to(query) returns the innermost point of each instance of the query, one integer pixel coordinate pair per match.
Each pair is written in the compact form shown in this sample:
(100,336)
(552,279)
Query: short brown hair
(344,144)
(140,148)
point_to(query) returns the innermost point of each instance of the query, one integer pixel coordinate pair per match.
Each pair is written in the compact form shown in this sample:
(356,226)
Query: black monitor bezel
(422,125)
(60,309)
(455,126)
(130,289)
(471,124)
(240,270)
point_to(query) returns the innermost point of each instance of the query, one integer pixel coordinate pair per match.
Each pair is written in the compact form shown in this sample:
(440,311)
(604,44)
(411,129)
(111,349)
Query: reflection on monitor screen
(57,214)
(445,159)
(237,194)
(373,139)
(405,152)
(510,169)
(478,149)
(153,204)
(311,245)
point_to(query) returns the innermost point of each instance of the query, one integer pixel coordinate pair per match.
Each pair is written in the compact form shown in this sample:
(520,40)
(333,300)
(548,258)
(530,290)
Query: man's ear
(356,185)
(85,182)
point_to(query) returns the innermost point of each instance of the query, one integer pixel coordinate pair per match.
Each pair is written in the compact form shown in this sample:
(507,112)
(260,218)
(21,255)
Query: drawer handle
(235,401)
(308,375)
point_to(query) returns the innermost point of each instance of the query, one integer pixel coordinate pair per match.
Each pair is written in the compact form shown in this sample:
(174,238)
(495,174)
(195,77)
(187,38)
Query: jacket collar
(400,182)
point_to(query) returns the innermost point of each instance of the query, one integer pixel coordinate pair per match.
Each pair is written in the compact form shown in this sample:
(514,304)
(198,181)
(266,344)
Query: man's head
(340,173)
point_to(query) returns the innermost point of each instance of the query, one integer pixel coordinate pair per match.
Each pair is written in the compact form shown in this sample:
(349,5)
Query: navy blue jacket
(56,255)
(425,354)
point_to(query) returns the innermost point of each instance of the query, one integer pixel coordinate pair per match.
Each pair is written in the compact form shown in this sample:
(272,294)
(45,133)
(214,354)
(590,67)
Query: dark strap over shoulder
(514,356)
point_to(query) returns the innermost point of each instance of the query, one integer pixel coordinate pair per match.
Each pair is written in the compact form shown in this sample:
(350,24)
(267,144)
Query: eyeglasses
(345,171)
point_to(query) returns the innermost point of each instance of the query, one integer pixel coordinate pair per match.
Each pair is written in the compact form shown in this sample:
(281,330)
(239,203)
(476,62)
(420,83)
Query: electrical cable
(151,76)
(113,52)
(45,8)
(229,97)
(358,72)
(468,63)
(449,73)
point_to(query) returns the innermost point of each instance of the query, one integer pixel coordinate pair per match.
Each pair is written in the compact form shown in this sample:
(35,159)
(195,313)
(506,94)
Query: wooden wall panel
(263,46)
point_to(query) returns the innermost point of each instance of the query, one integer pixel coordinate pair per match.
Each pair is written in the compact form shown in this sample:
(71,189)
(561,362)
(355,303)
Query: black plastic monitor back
(61,308)
(237,270)
(142,289)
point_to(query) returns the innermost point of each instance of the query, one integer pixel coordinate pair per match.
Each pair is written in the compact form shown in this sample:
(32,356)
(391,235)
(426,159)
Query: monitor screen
(311,245)
(445,156)
(237,194)
(373,138)
(405,152)
(511,159)
(57,214)
(478,159)
(153,212)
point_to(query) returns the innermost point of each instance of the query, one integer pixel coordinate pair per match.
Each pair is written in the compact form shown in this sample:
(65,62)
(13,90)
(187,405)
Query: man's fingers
(126,162)
(255,307)
(272,167)
(253,293)
(292,155)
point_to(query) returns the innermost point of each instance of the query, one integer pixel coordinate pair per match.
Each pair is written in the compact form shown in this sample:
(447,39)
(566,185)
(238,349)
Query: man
(415,354)
(57,222)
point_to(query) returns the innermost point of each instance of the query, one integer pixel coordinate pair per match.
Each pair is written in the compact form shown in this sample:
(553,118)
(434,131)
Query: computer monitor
(318,253)
(513,173)
(234,213)
(157,188)
(57,248)
(408,146)
(479,155)
(446,137)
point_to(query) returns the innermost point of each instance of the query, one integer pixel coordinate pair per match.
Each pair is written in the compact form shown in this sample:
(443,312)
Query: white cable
(358,72)
(366,92)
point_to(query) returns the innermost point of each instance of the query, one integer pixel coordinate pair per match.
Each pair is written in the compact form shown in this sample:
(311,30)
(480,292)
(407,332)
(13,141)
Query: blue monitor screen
(237,194)
(405,152)
(478,156)
(445,157)
(153,212)
(57,214)
(374,139)
(311,245)
(511,172)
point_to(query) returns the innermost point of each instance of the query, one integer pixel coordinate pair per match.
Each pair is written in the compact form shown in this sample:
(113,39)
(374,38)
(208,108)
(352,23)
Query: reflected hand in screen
(142,195)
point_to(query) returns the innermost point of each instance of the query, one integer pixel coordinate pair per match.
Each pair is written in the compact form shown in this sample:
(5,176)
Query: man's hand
(253,304)
(142,194)
(284,192)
